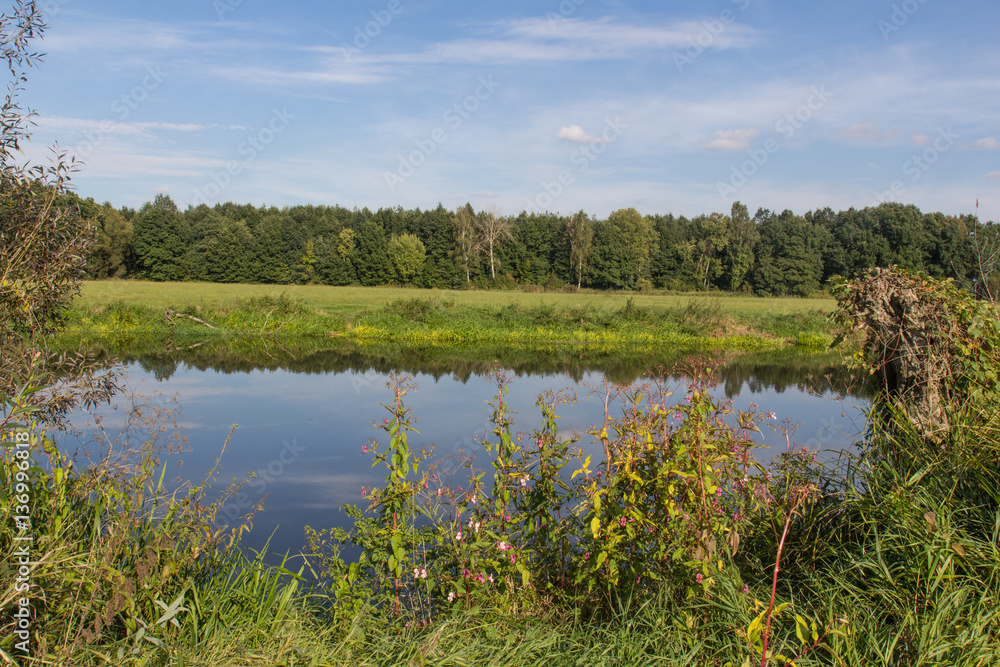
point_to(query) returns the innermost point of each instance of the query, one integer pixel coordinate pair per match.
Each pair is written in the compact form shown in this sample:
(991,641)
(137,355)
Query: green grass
(345,300)
(127,309)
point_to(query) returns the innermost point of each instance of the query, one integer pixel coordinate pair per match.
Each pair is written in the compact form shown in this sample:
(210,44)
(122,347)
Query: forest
(768,254)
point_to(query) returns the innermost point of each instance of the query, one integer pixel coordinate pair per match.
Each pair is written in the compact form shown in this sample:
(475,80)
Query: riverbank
(161,312)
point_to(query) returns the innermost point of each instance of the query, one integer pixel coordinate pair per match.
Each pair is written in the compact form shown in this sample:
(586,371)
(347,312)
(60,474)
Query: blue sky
(597,105)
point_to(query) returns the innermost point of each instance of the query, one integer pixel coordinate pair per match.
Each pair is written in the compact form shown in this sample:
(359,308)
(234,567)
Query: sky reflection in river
(301,434)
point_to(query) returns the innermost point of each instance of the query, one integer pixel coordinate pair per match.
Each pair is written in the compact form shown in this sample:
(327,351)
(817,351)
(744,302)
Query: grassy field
(149,311)
(346,300)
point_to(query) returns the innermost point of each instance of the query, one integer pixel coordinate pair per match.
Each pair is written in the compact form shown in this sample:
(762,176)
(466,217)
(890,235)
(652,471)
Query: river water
(301,424)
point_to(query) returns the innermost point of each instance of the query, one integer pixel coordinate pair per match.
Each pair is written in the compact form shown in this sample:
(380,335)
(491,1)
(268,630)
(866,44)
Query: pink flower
(384,422)
(503,546)
(698,578)
(687,399)
(745,589)
(771,415)
(458,536)
(451,596)
(513,558)
(364,449)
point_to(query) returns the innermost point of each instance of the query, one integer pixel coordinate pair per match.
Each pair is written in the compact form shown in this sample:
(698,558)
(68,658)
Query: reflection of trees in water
(777,370)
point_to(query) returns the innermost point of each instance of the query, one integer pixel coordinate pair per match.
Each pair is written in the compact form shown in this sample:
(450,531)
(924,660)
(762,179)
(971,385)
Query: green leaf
(801,629)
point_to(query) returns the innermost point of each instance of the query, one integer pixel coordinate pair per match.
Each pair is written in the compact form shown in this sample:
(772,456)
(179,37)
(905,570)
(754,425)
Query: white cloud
(575,133)
(993,174)
(731,140)
(107,126)
(333,72)
(986,143)
(920,139)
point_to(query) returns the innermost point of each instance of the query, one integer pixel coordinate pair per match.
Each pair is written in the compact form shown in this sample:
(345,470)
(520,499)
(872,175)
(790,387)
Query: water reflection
(778,370)
(304,411)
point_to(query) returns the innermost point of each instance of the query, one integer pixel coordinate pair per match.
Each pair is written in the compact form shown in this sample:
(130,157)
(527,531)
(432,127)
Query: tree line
(767,254)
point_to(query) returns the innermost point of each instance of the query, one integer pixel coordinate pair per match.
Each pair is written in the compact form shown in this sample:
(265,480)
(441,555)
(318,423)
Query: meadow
(351,299)
(678,547)
(381,314)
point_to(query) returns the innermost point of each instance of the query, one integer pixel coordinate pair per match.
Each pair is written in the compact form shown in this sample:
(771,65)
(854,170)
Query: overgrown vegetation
(669,323)
(667,540)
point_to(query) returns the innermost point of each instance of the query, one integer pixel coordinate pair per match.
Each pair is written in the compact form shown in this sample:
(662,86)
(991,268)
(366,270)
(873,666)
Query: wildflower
(513,559)
(465,573)
(622,521)
(586,556)
(419,573)
(440,492)
(364,449)
(451,596)
(490,577)
(524,481)
(458,536)
(539,441)
(687,398)
(771,415)
(678,416)
(718,492)
(384,422)
(508,519)
(745,589)
(503,546)
(698,578)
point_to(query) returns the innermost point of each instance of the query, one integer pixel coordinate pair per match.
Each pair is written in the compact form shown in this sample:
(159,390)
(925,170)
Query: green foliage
(407,254)
(160,237)
(623,246)
(789,257)
(116,554)
(112,248)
